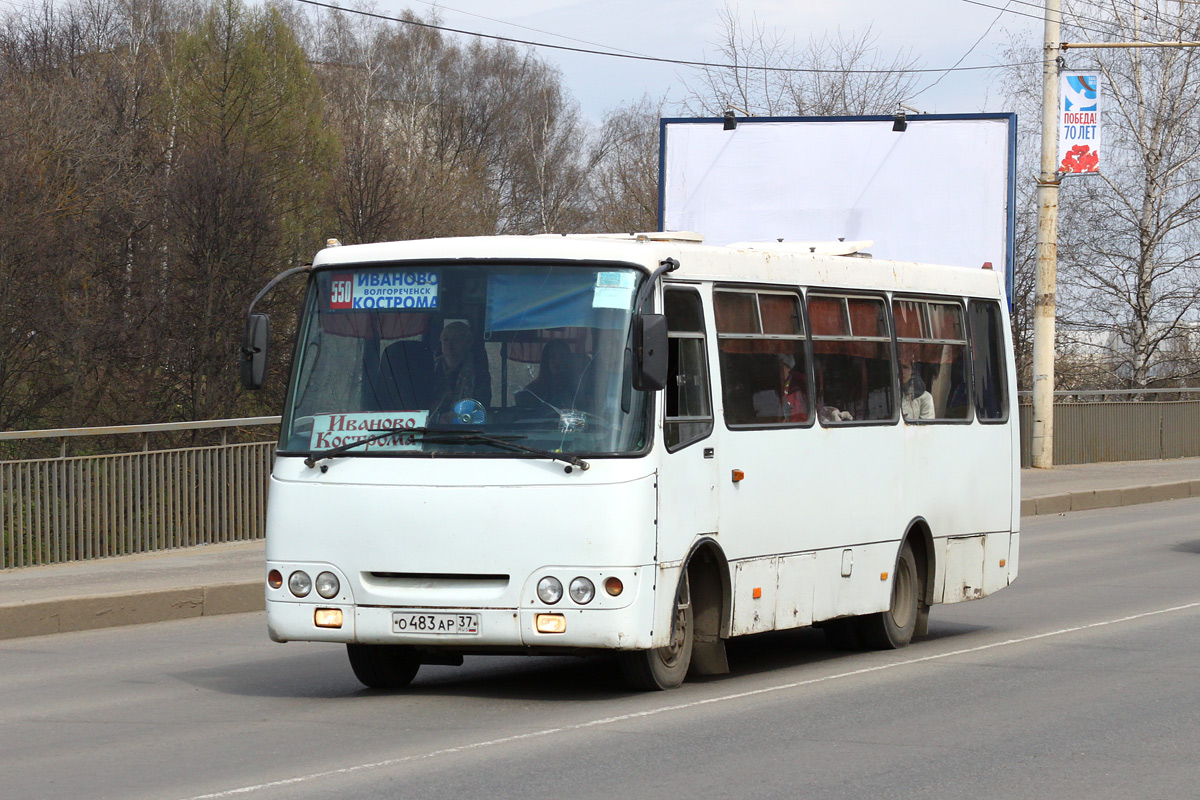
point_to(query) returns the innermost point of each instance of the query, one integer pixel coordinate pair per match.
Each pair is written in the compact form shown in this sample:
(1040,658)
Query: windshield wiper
(435,436)
(506,442)
(321,455)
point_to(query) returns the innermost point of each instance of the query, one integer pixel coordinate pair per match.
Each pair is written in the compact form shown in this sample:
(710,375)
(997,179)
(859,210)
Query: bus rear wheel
(893,629)
(383,666)
(663,667)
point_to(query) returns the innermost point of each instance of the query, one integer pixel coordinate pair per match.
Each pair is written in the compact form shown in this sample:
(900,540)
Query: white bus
(637,443)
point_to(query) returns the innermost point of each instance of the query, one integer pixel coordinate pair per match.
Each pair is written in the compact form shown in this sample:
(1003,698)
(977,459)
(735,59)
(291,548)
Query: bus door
(687,479)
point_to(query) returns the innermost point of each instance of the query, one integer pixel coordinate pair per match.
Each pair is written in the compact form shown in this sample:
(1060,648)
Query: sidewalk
(228,578)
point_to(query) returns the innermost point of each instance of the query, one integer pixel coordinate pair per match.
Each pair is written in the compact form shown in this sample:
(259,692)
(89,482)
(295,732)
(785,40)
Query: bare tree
(770,75)
(624,183)
(1129,241)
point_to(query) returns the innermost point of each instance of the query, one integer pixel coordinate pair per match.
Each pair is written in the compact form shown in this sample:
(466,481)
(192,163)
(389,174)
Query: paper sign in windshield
(613,290)
(336,430)
(387,289)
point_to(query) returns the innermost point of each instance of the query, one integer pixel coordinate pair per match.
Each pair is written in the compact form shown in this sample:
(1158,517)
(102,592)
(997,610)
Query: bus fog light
(582,591)
(300,583)
(274,579)
(549,590)
(550,623)
(327,618)
(614,586)
(327,585)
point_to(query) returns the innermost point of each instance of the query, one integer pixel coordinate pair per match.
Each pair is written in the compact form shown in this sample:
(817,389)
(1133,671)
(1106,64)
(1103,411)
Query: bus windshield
(534,354)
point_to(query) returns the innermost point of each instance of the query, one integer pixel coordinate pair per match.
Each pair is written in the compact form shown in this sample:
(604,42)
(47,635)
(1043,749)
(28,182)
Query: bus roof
(815,264)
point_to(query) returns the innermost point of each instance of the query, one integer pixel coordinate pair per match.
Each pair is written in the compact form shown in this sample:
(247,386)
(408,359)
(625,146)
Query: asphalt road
(1081,680)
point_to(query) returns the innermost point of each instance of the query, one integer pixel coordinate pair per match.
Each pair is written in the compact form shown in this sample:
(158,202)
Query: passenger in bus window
(915,400)
(789,402)
(459,372)
(825,412)
(557,381)
(949,383)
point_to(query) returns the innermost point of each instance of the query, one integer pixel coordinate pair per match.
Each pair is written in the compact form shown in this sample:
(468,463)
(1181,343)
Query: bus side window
(990,373)
(852,357)
(764,364)
(933,360)
(688,415)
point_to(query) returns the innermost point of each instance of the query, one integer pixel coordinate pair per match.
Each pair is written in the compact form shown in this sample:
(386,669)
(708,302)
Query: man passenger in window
(459,372)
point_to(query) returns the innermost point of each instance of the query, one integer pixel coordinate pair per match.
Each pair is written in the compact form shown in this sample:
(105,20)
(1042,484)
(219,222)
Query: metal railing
(75,507)
(71,508)
(1121,430)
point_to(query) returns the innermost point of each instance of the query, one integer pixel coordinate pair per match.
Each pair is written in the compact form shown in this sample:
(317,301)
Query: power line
(439,6)
(655,59)
(1062,15)
(1041,16)
(964,55)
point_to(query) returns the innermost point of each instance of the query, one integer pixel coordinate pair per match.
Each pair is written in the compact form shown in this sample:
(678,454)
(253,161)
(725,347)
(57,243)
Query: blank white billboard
(939,192)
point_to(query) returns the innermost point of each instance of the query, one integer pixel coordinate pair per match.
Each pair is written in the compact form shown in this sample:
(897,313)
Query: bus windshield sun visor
(435,436)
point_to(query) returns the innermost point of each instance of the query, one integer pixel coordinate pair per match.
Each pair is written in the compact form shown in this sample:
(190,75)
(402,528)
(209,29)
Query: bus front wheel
(892,629)
(663,667)
(383,666)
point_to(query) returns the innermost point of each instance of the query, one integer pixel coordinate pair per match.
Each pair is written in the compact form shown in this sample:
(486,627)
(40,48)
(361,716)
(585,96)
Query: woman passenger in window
(793,399)
(557,383)
(915,400)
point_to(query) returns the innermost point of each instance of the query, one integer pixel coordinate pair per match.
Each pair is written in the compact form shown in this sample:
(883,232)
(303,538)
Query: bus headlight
(327,585)
(300,583)
(549,590)
(582,591)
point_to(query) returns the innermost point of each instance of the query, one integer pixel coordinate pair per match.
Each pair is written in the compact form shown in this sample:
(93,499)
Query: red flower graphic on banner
(1080,158)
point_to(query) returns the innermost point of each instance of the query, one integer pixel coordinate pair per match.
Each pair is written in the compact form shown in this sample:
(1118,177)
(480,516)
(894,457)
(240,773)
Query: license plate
(435,623)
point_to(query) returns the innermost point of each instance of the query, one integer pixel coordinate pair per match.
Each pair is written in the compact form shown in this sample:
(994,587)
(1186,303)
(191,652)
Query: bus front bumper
(627,628)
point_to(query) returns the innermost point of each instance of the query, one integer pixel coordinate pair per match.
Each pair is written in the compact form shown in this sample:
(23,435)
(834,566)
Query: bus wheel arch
(921,538)
(712,606)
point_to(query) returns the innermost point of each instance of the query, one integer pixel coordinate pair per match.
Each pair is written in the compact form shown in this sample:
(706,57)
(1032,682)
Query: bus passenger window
(852,359)
(988,369)
(688,416)
(764,366)
(933,360)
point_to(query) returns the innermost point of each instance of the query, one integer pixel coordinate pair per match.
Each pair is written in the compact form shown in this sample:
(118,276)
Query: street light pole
(1047,250)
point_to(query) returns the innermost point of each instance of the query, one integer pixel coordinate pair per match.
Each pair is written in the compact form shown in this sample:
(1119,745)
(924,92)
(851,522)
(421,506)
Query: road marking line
(680,707)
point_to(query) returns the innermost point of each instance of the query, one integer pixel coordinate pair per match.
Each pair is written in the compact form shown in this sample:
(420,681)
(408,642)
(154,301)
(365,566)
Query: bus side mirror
(254,351)
(650,350)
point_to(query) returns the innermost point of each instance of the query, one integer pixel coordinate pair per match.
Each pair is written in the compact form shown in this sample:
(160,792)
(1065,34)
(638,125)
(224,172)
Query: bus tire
(842,634)
(893,629)
(383,666)
(663,667)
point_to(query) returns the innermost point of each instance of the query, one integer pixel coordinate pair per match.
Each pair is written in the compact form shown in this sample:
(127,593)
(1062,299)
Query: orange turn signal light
(613,586)
(883,576)
(738,475)
(275,579)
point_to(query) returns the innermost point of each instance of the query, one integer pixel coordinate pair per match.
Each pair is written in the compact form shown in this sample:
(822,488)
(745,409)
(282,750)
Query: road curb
(1108,498)
(128,608)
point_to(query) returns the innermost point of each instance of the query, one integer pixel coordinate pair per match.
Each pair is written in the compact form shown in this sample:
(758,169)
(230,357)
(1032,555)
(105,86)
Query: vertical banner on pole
(1079,123)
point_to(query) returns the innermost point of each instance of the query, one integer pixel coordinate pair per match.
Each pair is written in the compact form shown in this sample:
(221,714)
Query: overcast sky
(937,33)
